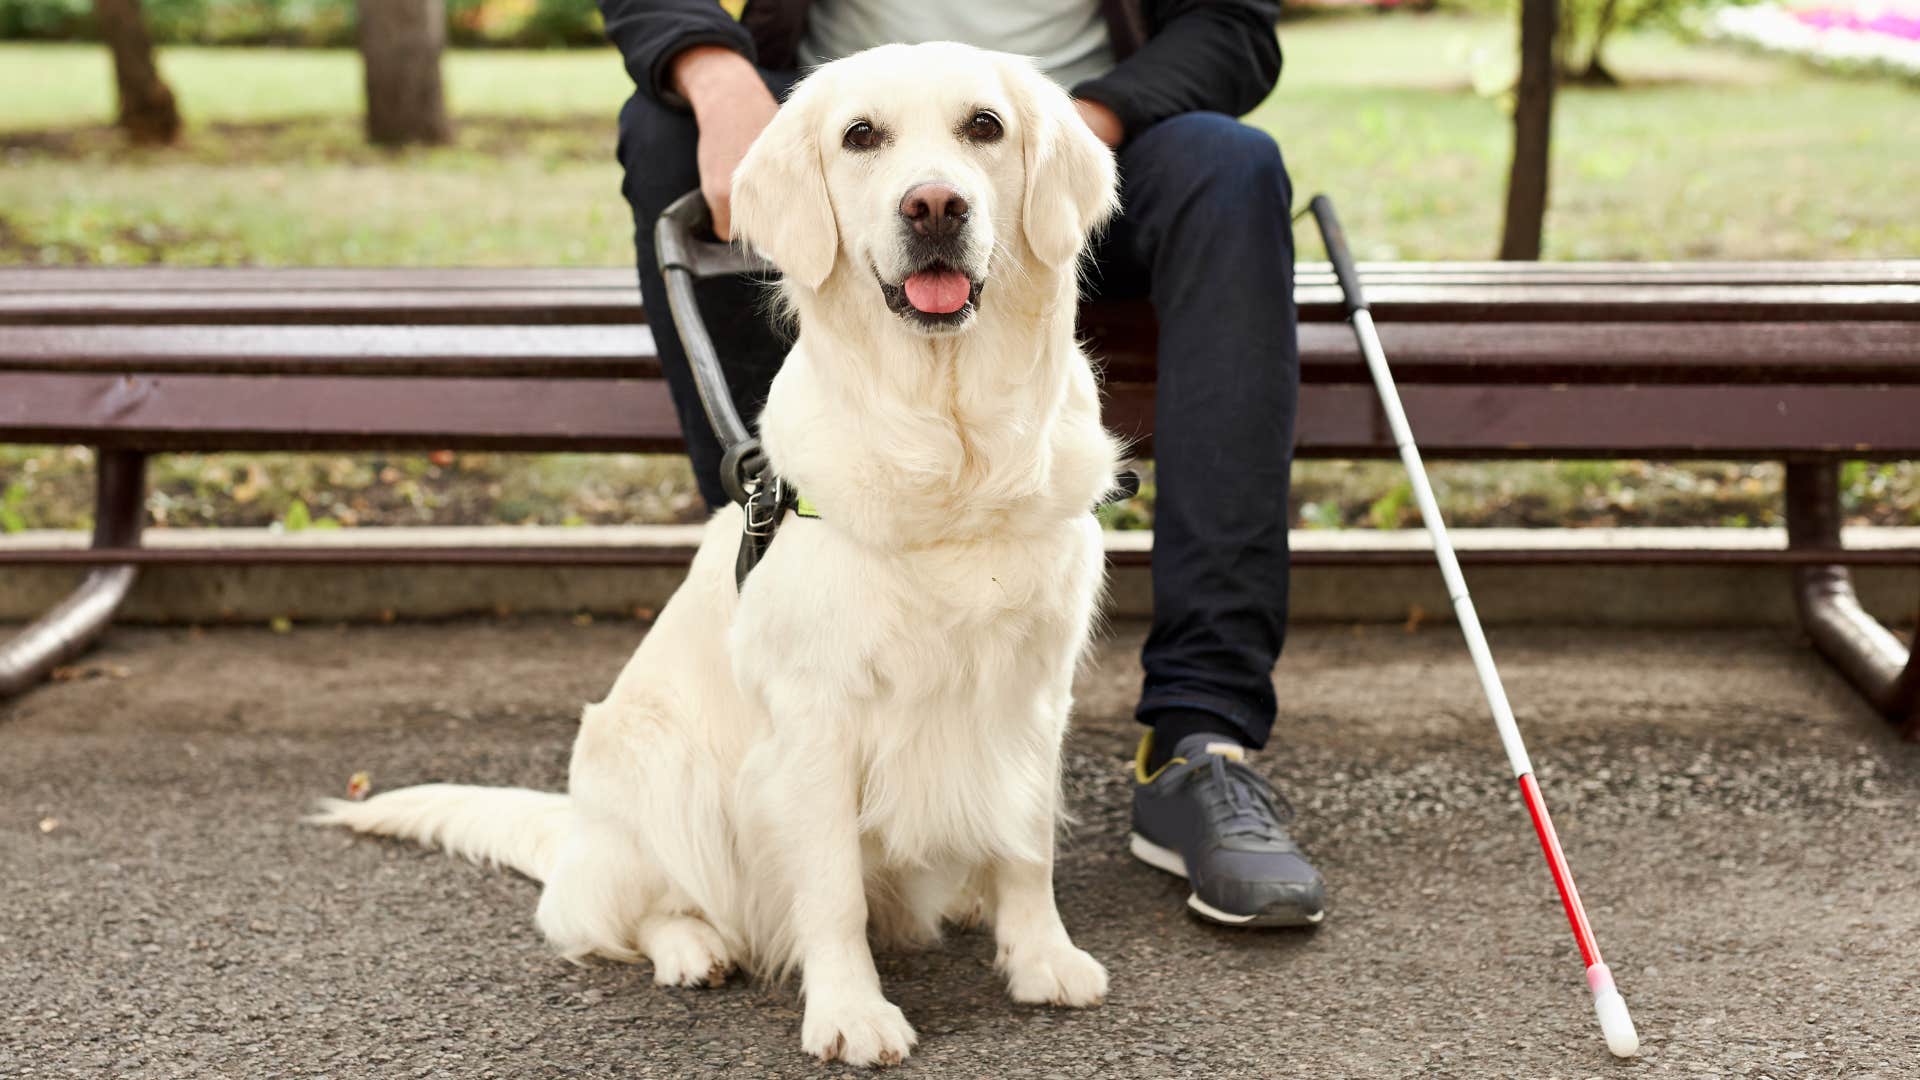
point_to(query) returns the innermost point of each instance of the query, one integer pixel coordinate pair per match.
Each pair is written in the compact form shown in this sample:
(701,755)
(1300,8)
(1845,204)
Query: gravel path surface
(1744,830)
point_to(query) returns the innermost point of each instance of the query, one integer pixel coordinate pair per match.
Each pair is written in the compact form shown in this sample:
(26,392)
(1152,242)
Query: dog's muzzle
(937,293)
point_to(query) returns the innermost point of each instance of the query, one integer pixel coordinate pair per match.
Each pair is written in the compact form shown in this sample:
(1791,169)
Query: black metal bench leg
(120,489)
(1868,654)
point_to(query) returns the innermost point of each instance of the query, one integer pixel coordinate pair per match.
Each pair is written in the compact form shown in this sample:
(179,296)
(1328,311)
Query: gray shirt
(1067,37)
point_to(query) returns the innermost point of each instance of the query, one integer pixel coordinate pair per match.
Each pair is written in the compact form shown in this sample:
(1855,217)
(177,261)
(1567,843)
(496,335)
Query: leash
(682,241)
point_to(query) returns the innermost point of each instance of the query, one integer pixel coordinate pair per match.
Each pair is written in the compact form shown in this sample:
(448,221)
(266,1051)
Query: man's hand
(1102,120)
(730,106)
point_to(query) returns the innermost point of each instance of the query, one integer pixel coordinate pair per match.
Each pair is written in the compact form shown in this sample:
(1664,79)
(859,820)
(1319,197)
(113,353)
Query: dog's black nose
(935,211)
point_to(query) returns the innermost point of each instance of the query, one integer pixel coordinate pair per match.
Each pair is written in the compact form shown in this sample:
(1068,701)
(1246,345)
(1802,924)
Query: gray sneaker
(1208,817)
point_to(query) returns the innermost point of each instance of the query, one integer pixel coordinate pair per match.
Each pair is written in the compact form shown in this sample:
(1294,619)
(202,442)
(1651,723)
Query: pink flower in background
(1893,23)
(1883,34)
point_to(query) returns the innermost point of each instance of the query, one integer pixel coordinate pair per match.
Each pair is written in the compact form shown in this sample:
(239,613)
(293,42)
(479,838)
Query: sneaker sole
(1170,861)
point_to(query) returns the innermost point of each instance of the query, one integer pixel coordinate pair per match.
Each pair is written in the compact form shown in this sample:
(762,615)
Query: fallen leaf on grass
(1415,616)
(81,672)
(48,824)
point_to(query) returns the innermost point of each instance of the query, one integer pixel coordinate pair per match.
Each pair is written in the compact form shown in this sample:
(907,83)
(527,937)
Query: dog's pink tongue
(938,292)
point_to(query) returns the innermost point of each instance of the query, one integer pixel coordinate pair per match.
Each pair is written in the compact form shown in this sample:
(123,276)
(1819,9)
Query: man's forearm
(731,106)
(711,77)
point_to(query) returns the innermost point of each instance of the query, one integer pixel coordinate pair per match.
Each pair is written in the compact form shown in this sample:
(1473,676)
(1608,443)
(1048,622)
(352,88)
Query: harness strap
(771,498)
(765,506)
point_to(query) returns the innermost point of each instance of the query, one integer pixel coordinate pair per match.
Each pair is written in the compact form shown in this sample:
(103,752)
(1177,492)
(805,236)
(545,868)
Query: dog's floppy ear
(780,203)
(1071,180)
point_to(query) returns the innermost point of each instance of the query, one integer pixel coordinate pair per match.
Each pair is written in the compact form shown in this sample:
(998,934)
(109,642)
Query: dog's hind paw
(685,951)
(863,1033)
(1054,975)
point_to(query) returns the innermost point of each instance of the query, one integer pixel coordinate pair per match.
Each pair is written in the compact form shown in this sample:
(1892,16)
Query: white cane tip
(1615,1023)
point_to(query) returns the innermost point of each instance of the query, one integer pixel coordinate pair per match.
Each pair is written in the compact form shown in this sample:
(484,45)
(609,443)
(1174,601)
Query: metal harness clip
(766,501)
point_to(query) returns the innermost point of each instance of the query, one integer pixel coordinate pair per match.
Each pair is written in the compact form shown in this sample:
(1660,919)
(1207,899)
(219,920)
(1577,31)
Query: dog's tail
(512,827)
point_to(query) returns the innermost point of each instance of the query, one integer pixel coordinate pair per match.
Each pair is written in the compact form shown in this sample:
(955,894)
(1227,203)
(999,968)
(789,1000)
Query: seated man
(1204,232)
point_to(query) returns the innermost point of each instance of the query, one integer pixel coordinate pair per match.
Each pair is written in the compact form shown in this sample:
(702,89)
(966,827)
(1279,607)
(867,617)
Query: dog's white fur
(867,736)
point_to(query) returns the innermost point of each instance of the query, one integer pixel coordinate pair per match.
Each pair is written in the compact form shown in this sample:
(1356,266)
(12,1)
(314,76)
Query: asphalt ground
(1743,828)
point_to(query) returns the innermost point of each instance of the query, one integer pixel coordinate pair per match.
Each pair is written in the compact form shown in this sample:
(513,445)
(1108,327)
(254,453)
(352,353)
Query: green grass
(274,171)
(1710,153)
(44,86)
(310,194)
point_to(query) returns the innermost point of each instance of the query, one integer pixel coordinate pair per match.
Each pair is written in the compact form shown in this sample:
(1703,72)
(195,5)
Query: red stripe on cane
(1562,876)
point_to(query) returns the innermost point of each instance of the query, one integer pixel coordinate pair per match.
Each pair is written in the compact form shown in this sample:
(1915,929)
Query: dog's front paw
(1054,975)
(868,1032)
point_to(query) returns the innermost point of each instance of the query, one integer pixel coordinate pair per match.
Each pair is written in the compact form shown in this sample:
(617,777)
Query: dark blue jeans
(1205,234)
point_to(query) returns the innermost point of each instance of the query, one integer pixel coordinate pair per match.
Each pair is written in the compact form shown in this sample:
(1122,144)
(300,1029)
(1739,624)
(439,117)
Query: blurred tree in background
(1585,26)
(147,111)
(400,44)
(1526,216)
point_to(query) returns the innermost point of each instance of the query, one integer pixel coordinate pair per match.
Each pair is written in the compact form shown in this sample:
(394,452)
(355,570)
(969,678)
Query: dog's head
(918,171)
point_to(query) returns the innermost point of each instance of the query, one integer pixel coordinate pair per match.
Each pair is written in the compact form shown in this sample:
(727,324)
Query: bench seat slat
(1837,353)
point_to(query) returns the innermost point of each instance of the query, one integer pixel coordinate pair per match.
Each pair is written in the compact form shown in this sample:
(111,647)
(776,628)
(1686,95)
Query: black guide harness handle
(689,253)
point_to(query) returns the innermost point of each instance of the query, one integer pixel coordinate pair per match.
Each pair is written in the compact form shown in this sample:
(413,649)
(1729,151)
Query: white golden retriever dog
(866,737)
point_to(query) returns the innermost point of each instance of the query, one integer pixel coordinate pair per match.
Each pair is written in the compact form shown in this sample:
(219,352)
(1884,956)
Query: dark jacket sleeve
(1202,55)
(650,33)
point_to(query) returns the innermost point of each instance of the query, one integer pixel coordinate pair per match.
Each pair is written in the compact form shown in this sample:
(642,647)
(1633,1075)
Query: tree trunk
(400,42)
(1532,132)
(147,112)
(1596,73)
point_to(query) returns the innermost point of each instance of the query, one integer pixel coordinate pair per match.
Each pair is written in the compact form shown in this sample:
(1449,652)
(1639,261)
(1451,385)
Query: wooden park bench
(1808,364)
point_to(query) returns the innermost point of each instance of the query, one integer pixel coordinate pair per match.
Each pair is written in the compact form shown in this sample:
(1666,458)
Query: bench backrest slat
(1318,303)
(1505,292)
(1833,353)
(1496,359)
(213,412)
(220,412)
(303,279)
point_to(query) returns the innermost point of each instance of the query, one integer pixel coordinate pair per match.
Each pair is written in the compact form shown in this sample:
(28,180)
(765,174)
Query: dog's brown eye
(984,127)
(861,136)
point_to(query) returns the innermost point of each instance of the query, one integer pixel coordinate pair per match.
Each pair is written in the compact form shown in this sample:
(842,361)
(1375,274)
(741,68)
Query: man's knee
(658,150)
(1226,162)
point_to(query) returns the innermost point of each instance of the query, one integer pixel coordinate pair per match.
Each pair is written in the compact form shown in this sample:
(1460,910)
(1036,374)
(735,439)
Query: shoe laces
(1238,800)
